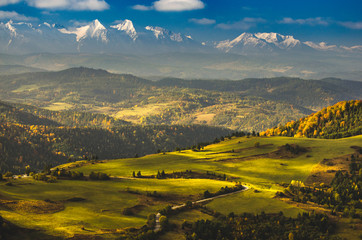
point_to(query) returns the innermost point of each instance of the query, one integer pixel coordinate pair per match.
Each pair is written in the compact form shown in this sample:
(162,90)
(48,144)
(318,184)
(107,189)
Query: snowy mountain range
(22,37)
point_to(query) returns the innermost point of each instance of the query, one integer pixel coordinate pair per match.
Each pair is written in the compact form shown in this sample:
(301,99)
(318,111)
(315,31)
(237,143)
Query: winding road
(158,215)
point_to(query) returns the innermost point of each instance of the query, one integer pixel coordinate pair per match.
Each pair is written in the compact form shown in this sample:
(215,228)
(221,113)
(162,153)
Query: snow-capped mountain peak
(161,33)
(260,40)
(245,39)
(157,31)
(320,46)
(279,40)
(11,28)
(24,37)
(353,48)
(93,30)
(126,26)
(48,25)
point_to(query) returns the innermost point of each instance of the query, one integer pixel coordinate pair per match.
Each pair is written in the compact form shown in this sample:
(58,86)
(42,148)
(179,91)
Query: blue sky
(333,21)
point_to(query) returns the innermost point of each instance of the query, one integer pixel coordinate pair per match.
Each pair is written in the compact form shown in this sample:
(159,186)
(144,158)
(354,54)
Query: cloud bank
(351,25)
(77,5)
(8,2)
(172,5)
(244,24)
(308,21)
(14,16)
(202,21)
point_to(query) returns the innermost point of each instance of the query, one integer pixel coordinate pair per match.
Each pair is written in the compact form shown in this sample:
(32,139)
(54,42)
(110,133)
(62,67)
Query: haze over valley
(180,120)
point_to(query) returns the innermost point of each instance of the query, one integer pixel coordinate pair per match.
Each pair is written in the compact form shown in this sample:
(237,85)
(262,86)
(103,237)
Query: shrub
(8,174)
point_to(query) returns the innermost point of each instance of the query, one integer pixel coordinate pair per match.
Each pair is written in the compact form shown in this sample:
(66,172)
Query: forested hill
(244,105)
(72,118)
(306,93)
(343,119)
(38,146)
(77,85)
(10,113)
(29,140)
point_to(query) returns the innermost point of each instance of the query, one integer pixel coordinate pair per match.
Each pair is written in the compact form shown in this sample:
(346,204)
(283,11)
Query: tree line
(342,196)
(338,121)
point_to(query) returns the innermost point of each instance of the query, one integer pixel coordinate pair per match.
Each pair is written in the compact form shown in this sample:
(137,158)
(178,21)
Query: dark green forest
(264,226)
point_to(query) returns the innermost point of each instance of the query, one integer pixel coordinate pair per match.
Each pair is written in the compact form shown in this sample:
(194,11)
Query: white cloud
(142,7)
(7,2)
(78,5)
(172,5)
(15,16)
(307,21)
(178,5)
(351,25)
(202,21)
(244,24)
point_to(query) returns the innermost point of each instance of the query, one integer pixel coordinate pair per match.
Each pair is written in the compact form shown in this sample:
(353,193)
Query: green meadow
(103,202)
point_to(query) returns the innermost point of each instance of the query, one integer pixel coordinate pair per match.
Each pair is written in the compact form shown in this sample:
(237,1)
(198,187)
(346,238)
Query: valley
(100,210)
(104,153)
(180,120)
(244,105)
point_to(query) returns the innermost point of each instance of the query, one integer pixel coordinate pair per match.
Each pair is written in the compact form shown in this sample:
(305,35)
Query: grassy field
(237,158)
(103,203)
(101,212)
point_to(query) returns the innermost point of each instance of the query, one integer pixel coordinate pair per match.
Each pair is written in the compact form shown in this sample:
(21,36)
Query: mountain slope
(127,27)
(26,139)
(311,94)
(26,37)
(247,105)
(247,42)
(17,69)
(343,119)
(14,115)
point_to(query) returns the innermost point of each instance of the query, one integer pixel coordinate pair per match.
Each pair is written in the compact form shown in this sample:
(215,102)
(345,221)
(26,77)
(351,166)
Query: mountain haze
(249,104)
(154,51)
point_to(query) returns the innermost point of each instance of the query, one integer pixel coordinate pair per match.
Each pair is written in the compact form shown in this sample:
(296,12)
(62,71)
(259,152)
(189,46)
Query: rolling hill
(340,120)
(296,183)
(124,203)
(247,105)
(58,137)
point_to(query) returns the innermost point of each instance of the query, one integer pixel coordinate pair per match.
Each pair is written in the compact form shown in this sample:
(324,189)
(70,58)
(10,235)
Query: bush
(164,222)
(8,174)
(127,211)
(98,176)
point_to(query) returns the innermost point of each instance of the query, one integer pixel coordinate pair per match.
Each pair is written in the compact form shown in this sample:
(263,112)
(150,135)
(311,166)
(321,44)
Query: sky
(332,21)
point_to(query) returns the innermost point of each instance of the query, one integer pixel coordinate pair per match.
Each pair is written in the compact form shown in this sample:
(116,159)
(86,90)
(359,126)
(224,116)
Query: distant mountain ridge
(307,93)
(122,37)
(249,104)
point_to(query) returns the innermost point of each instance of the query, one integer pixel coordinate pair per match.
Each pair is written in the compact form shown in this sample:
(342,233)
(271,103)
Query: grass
(103,205)
(59,106)
(242,164)
(135,113)
(252,202)
(105,200)
(261,173)
(23,88)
